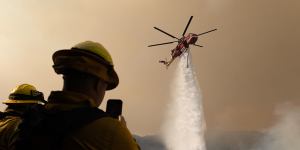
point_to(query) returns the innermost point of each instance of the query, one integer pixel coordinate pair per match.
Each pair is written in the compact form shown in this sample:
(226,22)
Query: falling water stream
(184,124)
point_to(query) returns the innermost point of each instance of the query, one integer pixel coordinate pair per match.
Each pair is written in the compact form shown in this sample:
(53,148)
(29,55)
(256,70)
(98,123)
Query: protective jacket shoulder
(8,131)
(102,134)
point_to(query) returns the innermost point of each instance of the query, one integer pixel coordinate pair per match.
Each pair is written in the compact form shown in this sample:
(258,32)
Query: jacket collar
(65,100)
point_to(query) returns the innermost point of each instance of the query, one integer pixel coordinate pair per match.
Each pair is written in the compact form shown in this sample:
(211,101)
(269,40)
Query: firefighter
(21,99)
(75,122)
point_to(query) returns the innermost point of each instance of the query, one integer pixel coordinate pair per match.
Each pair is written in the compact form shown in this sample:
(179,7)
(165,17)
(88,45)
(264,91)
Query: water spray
(184,124)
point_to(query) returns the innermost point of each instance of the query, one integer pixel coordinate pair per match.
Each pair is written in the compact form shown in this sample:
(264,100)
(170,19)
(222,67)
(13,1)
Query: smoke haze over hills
(284,135)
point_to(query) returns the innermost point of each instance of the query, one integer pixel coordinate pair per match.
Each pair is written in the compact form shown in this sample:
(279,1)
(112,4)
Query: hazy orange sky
(245,70)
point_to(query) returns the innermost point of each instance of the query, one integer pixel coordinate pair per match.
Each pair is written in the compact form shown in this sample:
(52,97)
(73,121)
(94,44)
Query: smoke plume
(285,134)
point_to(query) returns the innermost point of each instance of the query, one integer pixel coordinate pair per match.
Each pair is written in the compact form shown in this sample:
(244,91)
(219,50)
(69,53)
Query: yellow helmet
(95,48)
(88,57)
(25,94)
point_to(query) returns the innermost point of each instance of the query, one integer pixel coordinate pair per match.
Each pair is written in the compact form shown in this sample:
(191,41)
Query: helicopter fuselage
(183,44)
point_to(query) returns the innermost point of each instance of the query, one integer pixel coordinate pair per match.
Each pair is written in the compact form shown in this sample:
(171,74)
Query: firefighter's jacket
(8,129)
(101,134)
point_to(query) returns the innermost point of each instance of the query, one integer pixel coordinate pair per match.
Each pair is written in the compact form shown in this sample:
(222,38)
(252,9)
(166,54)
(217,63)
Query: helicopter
(183,45)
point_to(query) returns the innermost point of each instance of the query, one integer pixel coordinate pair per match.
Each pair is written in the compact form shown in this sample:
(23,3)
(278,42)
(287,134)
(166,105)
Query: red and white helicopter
(183,43)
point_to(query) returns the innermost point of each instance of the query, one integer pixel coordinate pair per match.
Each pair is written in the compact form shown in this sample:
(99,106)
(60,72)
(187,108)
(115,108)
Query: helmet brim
(10,101)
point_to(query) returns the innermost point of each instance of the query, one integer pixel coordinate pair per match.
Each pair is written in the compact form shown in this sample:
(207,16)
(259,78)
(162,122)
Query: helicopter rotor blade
(206,32)
(197,45)
(187,25)
(162,43)
(165,33)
